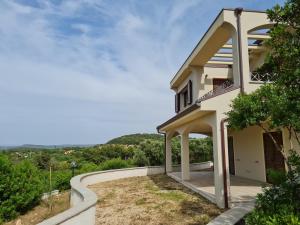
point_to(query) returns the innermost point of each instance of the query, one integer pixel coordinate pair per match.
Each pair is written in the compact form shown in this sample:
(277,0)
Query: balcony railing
(223,88)
(257,77)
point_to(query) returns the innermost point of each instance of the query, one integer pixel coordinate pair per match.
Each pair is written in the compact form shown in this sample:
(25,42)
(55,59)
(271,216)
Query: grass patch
(141,201)
(154,199)
(171,195)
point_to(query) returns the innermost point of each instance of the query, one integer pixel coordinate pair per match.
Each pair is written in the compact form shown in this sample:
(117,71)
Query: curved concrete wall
(83,200)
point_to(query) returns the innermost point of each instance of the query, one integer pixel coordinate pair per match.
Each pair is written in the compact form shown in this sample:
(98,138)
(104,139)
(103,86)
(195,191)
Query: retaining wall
(83,200)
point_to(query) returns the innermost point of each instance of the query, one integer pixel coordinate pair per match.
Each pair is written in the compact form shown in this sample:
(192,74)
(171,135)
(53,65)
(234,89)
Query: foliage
(20,187)
(88,167)
(280,203)
(153,151)
(42,160)
(114,164)
(102,153)
(135,139)
(62,180)
(252,109)
(201,150)
(276,176)
(140,158)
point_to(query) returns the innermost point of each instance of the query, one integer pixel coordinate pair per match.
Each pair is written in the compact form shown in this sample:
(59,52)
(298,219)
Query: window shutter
(177,103)
(190,92)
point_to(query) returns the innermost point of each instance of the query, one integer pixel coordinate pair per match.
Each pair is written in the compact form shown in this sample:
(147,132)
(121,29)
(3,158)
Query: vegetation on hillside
(135,139)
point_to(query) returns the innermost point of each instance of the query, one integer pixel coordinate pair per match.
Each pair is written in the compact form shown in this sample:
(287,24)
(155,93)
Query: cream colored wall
(290,144)
(249,153)
(207,78)
(202,78)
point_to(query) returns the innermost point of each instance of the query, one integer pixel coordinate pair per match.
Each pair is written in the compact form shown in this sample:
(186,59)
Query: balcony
(223,88)
(261,78)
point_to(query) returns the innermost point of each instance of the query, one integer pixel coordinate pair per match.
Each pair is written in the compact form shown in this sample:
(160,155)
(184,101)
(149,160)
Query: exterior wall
(202,78)
(207,78)
(293,144)
(249,153)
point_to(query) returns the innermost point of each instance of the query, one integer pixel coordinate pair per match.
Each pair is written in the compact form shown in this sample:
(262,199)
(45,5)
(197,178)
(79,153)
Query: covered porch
(217,184)
(241,189)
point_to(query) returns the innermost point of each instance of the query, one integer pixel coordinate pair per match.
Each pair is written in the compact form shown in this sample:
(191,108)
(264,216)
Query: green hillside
(135,139)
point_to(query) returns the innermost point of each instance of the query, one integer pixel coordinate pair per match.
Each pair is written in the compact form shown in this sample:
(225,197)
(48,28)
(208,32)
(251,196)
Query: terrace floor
(202,182)
(151,200)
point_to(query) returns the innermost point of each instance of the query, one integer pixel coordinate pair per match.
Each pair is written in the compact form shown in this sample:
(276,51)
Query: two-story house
(220,67)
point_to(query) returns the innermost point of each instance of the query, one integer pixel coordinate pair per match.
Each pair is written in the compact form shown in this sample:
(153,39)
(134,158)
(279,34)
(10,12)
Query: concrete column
(243,46)
(168,154)
(235,54)
(218,172)
(185,157)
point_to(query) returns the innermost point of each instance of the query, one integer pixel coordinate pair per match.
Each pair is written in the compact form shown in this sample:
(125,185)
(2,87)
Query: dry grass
(150,200)
(42,211)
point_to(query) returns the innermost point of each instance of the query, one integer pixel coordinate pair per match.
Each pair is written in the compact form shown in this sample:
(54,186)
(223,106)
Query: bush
(153,151)
(140,159)
(276,177)
(114,164)
(88,167)
(61,180)
(20,188)
(280,203)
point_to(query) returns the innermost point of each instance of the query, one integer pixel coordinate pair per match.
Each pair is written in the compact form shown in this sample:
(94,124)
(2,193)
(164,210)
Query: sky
(86,71)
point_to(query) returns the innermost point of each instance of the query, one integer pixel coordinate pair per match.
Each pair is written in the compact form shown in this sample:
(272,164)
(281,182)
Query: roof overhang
(214,39)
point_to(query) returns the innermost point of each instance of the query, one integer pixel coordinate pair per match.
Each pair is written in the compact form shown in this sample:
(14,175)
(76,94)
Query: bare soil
(42,211)
(153,200)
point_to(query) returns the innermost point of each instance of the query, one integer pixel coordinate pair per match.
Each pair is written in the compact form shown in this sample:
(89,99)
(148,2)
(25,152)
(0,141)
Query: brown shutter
(190,92)
(177,103)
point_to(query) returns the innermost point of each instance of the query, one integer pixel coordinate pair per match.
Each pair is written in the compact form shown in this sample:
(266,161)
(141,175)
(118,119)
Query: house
(221,66)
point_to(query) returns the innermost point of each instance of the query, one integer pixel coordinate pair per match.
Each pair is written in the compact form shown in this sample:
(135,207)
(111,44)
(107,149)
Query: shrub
(61,180)
(114,164)
(20,188)
(280,203)
(88,167)
(153,151)
(140,159)
(276,176)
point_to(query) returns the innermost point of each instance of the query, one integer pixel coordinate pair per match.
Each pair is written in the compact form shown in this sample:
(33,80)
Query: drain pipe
(237,13)
(222,123)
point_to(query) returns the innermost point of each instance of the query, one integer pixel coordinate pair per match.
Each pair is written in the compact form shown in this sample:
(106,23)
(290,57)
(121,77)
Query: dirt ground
(150,200)
(42,211)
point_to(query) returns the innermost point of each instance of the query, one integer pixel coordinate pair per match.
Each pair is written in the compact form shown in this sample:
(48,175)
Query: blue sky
(85,71)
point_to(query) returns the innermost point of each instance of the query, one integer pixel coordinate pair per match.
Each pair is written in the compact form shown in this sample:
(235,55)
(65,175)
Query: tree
(20,187)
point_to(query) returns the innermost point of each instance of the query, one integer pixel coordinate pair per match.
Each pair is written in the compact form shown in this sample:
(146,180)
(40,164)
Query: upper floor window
(186,94)
(185,98)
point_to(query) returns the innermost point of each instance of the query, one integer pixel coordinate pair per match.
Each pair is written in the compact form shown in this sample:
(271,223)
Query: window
(185,98)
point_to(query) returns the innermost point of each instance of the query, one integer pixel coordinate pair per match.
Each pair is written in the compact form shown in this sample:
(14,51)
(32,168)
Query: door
(231,156)
(273,158)
(218,82)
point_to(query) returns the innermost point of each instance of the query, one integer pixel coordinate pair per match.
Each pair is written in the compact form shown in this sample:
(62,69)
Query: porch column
(218,172)
(185,157)
(168,153)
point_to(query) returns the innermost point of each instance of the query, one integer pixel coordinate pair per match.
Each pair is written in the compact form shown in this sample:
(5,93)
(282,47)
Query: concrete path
(233,215)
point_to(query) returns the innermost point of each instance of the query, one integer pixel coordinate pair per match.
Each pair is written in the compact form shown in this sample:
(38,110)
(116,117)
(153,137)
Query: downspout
(165,150)
(222,123)
(237,13)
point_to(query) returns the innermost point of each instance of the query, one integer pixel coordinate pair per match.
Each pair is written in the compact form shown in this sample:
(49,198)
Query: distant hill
(135,139)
